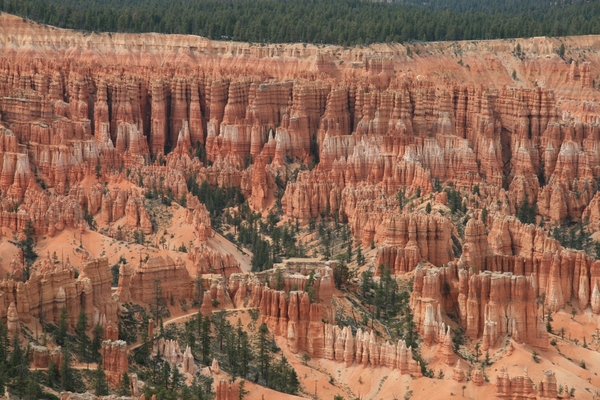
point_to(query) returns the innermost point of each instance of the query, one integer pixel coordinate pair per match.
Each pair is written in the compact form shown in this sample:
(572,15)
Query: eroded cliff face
(377,120)
(49,290)
(307,323)
(95,125)
(114,360)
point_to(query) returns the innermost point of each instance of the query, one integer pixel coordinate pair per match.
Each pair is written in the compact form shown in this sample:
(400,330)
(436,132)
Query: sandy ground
(8,251)
(69,245)
(224,246)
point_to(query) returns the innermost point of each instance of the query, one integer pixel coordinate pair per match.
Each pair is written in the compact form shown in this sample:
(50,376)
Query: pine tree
(82,338)
(349,252)
(165,373)
(366,283)
(143,352)
(201,389)
(243,392)
(221,326)
(309,288)
(176,379)
(190,336)
(157,307)
(549,320)
(100,382)
(199,289)
(360,259)
(279,285)
(244,350)
(231,349)
(97,342)
(63,326)
(205,339)
(33,390)
(283,377)
(4,342)
(66,373)
(53,374)
(526,212)
(125,385)
(400,196)
(484,214)
(18,369)
(3,377)
(561,50)
(263,351)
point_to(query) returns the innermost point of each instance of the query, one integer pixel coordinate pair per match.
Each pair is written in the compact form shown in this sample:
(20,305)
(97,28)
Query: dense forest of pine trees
(344,22)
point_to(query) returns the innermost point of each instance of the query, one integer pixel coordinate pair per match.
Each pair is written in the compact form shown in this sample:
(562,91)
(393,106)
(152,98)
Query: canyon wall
(377,121)
(54,286)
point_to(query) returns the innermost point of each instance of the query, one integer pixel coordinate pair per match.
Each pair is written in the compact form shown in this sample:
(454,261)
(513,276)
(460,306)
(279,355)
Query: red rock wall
(114,360)
(175,280)
(375,130)
(227,391)
(50,288)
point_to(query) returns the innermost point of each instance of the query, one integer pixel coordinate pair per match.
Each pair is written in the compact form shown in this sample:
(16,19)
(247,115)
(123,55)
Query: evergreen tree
(263,353)
(143,352)
(283,377)
(349,252)
(53,375)
(33,390)
(82,339)
(309,287)
(360,259)
(307,21)
(100,382)
(231,351)
(18,369)
(165,375)
(66,372)
(3,377)
(341,272)
(244,350)
(125,385)
(484,214)
(4,343)
(63,326)
(176,380)
(386,294)
(157,307)
(221,327)
(400,196)
(98,335)
(201,389)
(205,338)
(279,285)
(526,212)
(366,283)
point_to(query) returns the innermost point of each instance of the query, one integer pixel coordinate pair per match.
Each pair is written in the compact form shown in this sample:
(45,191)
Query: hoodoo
(194,218)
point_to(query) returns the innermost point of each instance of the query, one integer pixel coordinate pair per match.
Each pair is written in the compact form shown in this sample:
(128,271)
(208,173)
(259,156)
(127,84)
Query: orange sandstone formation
(227,391)
(429,159)
(114,360)
(174,278)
